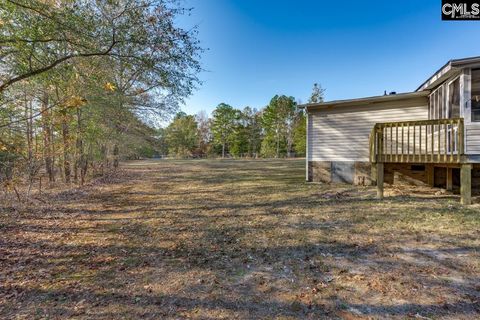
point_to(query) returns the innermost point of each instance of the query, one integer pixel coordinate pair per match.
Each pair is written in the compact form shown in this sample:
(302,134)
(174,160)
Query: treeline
(278,130)
(82,84)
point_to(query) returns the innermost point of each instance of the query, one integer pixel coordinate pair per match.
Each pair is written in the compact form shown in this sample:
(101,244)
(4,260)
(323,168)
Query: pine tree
(223,125)
(317,94)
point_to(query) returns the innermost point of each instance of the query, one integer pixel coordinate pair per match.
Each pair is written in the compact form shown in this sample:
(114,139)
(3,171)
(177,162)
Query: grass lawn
(237,240)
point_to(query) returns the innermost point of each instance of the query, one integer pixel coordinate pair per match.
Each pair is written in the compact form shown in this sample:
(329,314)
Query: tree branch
(38,71)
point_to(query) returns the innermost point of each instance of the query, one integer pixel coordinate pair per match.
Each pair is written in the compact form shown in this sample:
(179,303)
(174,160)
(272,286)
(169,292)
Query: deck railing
(434,141)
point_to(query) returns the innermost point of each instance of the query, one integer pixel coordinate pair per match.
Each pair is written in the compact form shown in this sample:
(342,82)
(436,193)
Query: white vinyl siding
(472,135)
(342,133)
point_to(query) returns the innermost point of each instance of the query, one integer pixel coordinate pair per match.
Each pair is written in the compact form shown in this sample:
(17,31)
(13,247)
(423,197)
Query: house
(430,136)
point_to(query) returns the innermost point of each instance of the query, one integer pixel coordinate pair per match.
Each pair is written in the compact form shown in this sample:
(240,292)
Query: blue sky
(257,49)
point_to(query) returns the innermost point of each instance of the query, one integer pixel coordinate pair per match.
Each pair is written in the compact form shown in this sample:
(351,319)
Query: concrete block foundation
(360,173)
(421,174)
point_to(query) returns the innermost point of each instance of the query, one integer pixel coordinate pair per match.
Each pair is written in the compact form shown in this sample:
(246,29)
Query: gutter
(365,101)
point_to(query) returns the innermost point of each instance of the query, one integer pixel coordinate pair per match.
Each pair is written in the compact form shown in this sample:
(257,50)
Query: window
(476,95)
(454,98)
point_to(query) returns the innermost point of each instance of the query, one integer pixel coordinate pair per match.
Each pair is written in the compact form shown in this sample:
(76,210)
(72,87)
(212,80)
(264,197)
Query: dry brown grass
(238,240)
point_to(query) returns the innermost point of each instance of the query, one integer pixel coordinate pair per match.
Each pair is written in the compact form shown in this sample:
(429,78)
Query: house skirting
(360,173)
(349,172)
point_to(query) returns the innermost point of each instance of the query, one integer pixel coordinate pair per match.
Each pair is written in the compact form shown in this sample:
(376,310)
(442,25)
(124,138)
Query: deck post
(373,174)
(466,184)
(449,186)
(430,175)
(379,172)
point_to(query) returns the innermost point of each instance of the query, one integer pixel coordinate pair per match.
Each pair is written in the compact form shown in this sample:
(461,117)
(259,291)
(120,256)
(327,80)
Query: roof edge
(446,65)
(366,100)
(453,63)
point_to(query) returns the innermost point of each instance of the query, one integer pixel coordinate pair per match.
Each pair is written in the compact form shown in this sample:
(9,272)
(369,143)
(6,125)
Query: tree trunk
(66,150)
(223,149)
(289,147)
(75,169)
(80,157)
(29,137)
(47,149)
(115,156)
(278,147)
(84,165)
(103,152)
(52,151)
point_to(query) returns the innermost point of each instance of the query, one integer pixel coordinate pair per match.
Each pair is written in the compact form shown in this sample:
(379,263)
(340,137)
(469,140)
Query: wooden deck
(427,141)
(435,142)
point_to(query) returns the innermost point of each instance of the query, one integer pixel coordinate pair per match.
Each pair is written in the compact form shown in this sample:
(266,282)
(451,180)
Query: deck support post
(466,184)
(373,174)
(449,186)
(380,173)
(430,175)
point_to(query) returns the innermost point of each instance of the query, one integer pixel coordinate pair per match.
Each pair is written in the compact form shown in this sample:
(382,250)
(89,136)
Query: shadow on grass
(297,236)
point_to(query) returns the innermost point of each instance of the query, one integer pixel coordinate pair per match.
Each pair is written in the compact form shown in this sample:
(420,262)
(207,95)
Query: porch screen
(454,98)
(476,95)
(438,105)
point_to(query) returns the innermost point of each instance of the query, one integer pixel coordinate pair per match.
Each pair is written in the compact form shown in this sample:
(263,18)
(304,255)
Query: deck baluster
(396,143)
(391,142)
(414,142)
(408,142)
(438,143)
(403,134)
(452,137)
(445,132)
(432,137)
(427,144)
(420,143)
(426,136)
